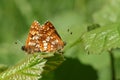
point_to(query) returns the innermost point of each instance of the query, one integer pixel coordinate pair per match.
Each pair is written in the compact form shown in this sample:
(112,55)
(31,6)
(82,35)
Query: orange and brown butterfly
(43,38)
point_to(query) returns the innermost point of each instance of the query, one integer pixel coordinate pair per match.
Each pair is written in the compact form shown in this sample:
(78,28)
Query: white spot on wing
(32,26)
(44,41)
(38,46)
(32,32)
(45,47)
(40,34)
(45,44)
(31,44)
(48,38)
(35,37)
(51,37)
(48,28)
(54,42)
(51,46)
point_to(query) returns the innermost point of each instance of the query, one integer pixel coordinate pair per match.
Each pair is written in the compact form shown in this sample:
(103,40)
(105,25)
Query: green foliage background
(16,17)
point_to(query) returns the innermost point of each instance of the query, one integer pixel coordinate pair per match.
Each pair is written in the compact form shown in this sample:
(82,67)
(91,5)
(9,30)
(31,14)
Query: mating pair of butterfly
(43,38)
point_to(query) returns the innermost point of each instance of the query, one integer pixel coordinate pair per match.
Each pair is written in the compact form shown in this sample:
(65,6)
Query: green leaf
(109,13)
(101,39)
(33,67)
(3,67)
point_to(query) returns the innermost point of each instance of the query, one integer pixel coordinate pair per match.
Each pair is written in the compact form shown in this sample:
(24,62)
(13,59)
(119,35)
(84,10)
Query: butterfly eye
(23,48)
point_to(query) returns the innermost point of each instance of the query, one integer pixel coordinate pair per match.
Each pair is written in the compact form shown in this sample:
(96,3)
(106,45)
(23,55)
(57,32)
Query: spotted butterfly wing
(43,39)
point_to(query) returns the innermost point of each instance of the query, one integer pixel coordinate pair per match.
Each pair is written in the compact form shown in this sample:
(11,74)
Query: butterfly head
(23,48)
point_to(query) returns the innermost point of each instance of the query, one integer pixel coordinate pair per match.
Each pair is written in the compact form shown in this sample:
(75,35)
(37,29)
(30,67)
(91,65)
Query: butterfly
(43,38)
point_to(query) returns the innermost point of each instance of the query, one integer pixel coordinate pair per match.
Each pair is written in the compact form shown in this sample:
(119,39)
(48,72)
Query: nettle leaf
(109,13)
(3,67)
(101,39)
(33,67)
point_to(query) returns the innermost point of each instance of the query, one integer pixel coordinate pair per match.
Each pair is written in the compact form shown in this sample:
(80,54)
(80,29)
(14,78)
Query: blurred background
(16,16)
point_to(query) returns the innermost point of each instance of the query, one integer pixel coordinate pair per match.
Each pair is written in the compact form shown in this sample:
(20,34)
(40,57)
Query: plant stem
(112,65)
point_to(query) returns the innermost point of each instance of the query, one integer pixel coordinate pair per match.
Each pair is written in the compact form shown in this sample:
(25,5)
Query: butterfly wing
(32,42)
(51,39)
